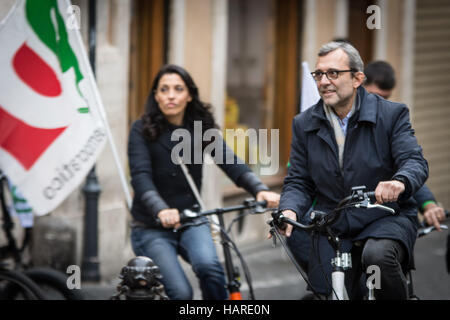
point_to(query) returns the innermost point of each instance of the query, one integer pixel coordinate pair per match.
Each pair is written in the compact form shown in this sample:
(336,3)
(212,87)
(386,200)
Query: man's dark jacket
(379,146)
(159,183)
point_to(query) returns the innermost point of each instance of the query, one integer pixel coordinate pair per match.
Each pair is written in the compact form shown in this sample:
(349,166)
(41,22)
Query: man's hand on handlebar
(287,231)
(388,191)
(170,218)
(272,198)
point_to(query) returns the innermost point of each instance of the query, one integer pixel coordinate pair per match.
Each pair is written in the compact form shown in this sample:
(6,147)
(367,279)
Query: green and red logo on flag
(46,103)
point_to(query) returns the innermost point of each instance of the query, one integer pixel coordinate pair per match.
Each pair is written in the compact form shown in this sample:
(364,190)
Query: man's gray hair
(354,59)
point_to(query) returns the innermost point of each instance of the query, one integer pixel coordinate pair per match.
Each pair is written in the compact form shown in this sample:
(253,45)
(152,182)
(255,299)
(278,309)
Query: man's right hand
(291,215)
(170,218)
(288,230)
(388,191)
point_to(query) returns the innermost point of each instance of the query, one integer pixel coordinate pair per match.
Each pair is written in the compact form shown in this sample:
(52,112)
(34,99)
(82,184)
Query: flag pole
(102,113)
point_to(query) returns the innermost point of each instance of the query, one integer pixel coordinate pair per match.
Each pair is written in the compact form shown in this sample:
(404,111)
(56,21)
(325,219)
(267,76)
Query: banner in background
(310,93)
(51,130)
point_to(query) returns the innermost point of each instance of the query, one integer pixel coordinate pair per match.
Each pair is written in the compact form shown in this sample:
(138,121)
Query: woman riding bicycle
(161,190)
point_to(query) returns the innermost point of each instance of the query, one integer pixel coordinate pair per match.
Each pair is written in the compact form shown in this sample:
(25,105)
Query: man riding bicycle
(351,137)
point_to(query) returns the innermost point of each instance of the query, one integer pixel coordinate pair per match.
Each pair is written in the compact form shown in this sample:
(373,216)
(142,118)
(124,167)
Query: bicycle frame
(341,263)
(234,284)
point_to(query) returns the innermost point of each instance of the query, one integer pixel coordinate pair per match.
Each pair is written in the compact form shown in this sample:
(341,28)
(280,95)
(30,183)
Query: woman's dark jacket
(159,183)
(380,145)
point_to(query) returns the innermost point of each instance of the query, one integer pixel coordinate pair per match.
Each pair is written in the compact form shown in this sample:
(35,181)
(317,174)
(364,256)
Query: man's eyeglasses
(331,74)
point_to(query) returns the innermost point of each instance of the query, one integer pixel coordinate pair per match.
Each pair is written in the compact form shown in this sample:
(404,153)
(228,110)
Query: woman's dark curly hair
(154,121)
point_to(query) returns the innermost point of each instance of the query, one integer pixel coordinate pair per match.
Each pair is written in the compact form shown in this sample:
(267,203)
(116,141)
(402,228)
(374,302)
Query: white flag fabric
(310,93)
(51,128)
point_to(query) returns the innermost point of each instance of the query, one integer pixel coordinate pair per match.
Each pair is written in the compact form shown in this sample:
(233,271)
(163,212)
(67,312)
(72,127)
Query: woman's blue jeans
(195,245)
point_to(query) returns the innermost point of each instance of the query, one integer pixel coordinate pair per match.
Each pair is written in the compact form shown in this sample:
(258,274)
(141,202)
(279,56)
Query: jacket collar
(367,110)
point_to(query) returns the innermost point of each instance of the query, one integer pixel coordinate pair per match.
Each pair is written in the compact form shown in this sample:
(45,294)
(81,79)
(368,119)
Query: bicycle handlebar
(424,224)
(321,219)
(356,195)
(257,206)
(187,215)
(425,228)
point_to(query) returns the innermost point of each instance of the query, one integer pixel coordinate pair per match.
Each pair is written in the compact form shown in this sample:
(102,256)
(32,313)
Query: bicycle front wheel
(24,287)
(54,284)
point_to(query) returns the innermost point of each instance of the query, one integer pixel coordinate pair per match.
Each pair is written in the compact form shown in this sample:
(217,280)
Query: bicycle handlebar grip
(371,195)
(183,217)
(260,207)
(277,220)
(187,215)
(261,203)
(251,203)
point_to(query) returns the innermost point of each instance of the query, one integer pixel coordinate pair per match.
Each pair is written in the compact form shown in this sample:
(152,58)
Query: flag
(20,207)
(310,93)
(51,128)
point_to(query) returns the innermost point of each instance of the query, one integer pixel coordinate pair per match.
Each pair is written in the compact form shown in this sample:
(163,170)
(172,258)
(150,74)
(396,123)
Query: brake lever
(367,205)
(274,239)
(187,213)
(259,209)
(185,216)
(255,206)
(272,233)
(380,206)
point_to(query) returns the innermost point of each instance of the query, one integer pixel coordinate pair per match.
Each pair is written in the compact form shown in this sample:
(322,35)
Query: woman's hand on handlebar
(272,198)
(388,191)
(170,218)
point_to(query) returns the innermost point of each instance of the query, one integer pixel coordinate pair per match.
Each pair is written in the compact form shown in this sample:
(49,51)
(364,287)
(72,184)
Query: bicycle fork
(342,262)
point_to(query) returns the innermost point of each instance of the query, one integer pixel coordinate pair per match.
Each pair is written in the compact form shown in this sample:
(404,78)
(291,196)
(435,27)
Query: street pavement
(274,277)
(431,280)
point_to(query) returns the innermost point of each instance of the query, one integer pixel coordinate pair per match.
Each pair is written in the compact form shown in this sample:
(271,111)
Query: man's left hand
(388,191)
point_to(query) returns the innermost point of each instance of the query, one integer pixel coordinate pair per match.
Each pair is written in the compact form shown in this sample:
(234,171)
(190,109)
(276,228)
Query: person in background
(380,79)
